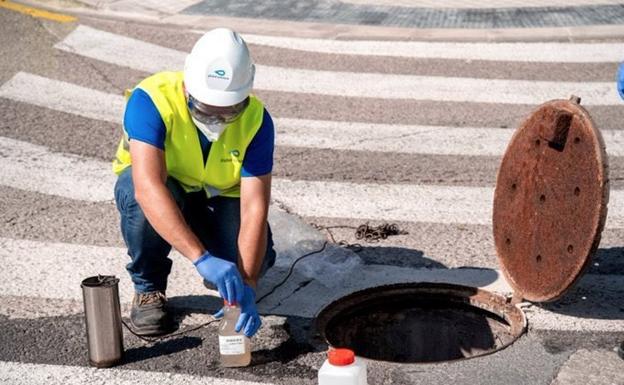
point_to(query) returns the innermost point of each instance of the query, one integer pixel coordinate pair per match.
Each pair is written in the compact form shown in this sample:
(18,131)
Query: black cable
(366,232)
(178,333)
(290,271)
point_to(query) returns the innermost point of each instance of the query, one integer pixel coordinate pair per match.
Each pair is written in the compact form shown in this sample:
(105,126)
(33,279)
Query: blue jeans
(215,221)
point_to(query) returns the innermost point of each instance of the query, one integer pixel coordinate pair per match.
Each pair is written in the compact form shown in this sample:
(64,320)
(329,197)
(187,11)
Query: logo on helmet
(218,74)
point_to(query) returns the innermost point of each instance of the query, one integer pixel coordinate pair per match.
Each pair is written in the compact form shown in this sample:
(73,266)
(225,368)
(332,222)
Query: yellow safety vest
(221,173)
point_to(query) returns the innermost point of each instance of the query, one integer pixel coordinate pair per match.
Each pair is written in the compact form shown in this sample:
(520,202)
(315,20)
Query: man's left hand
(249,321)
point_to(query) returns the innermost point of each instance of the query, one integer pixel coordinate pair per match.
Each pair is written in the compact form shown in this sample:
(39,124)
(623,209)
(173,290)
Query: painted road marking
(330,280)
(514,52)
(121,50)
(168,6)
(133,53)
(410,139)
(45,374)
(87,179)
(66,175)
(441,89)
(402,202)
(38,13)
(434,140)
(65,97)
(71,264)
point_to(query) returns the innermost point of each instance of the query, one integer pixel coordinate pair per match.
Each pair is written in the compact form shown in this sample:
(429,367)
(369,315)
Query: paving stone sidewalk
(329,11)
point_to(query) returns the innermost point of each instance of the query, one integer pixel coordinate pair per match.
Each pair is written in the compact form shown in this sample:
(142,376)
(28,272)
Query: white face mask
(211,130)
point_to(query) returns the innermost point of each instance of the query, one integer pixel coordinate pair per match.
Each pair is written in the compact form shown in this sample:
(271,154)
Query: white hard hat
(219,70)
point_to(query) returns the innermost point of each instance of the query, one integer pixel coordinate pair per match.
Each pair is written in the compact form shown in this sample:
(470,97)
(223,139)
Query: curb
(346,31)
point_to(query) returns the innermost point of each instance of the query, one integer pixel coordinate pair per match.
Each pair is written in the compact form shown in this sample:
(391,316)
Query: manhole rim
(473,296)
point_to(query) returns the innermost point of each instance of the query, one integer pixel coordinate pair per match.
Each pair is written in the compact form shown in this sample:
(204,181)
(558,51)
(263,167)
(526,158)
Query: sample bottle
(234,347)
(342,368)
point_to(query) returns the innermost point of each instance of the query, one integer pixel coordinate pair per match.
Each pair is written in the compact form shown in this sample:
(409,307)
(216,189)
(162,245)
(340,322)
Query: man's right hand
(223,274)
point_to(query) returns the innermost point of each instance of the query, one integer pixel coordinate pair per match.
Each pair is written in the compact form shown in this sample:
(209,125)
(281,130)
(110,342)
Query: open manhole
(550,207)
(421,322)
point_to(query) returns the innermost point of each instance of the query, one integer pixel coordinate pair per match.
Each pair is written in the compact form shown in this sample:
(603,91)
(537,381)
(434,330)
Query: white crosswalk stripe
(133,53)
(72,263)
(64,284)
(16,373)
(69,271)
(516,52)
(66,97)
(394,138)
(62,96)
(65,175)
(415,203)
(91,180)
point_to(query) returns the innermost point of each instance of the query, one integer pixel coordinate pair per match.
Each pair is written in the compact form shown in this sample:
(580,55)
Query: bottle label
(231,345)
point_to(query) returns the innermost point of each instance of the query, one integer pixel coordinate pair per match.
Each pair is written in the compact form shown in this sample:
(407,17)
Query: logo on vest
(233,154)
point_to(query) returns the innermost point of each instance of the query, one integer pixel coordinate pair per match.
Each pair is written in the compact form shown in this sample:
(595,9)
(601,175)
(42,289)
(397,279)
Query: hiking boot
(149,316)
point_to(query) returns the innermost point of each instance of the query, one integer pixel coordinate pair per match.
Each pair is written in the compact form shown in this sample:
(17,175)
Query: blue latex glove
(249,320)
(223,274)
(620,80)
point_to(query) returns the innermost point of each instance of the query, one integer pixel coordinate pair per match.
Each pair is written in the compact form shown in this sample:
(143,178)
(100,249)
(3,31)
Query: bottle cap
(226,303)
(341,357)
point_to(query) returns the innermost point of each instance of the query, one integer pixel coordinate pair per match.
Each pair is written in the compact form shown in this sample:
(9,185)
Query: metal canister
(103,320)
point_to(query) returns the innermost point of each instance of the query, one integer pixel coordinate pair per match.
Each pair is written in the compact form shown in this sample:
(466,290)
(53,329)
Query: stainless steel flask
(103,320)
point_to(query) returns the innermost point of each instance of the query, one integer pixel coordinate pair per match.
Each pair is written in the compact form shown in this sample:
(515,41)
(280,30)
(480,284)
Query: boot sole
(153,331)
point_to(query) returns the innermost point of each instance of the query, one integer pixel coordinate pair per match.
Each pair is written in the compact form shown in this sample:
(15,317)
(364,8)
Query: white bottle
(342,368)
(234,347)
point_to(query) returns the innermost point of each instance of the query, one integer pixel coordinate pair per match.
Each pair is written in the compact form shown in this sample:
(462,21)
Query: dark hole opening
(411,329)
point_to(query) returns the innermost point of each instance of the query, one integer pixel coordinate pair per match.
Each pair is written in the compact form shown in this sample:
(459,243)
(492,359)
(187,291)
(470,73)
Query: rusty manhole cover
(550,202)
(421,323)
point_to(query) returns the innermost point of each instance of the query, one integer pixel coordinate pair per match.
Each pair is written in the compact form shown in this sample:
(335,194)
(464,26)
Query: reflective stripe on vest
(183,154)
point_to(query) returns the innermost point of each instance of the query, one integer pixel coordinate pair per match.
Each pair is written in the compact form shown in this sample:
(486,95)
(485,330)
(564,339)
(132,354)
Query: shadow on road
(397,256)
(162,348)
(599,293)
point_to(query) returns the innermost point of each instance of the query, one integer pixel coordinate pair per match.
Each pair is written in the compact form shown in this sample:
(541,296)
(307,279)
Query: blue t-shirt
(142,122)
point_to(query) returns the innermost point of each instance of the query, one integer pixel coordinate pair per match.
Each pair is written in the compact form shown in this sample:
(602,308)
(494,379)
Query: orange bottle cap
(341,357)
